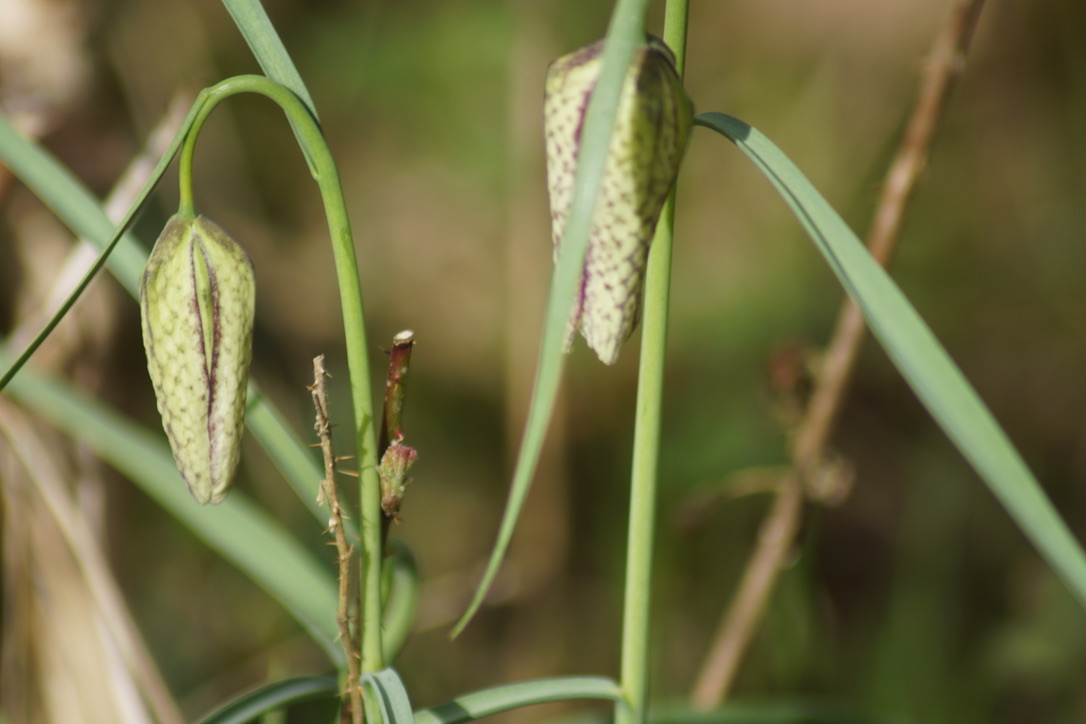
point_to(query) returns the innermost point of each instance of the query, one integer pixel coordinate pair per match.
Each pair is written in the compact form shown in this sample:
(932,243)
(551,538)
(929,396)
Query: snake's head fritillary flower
(197,305)
(647,145)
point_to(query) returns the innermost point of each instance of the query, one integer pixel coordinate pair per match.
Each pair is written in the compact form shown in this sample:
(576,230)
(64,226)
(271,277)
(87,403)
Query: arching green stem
(327,177)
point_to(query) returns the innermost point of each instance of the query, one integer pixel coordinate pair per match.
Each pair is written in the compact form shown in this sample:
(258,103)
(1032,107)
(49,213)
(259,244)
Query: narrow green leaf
(625,33)
(400,597)
(277,695)
(917,354)
(237,529)
(513,696)
(391,697)
(268,49)
(77,208)
(291,458)
(6,133)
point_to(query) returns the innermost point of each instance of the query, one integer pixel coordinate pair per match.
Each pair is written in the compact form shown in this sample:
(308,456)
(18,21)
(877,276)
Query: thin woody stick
(778,530)
(330,496)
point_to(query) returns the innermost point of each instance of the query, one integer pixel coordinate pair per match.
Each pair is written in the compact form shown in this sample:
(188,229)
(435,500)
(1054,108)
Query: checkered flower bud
(197,304)
(647,145)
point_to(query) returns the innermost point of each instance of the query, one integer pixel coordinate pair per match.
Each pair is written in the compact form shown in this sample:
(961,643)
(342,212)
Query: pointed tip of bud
(197,298)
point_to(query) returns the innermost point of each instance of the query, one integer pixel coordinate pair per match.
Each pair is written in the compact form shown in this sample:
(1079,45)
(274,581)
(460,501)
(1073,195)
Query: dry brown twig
(329,496)
(779,528)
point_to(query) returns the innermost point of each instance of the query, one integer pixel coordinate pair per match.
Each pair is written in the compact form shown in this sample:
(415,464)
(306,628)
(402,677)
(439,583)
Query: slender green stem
(624,34)
(350,291)
(186,209)
(268,49)
(676,19)
(646,445)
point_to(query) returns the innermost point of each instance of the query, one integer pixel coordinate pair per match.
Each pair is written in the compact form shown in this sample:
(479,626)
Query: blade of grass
(513,696)
(268,49)
(917,354)
(402,599)
(77,208)
(292,458)
(391,697)
(236,529)
(131,200)
(272,697)
(623,36)
(735,632)
(80,211)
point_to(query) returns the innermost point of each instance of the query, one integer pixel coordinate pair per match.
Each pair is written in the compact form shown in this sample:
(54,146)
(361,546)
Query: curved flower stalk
(647,145)
(197,305)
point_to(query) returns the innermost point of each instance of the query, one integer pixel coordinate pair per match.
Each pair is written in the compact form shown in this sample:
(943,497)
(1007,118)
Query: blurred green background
(915,597)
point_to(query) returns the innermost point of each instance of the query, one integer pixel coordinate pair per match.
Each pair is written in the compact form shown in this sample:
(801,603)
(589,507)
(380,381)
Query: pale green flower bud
(647,145)
(197,305)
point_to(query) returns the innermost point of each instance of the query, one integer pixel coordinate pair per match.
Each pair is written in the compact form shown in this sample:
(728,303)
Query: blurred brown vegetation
(917,596)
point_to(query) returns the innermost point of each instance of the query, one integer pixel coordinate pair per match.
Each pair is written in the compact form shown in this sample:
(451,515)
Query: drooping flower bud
(197,305)
(647,145)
